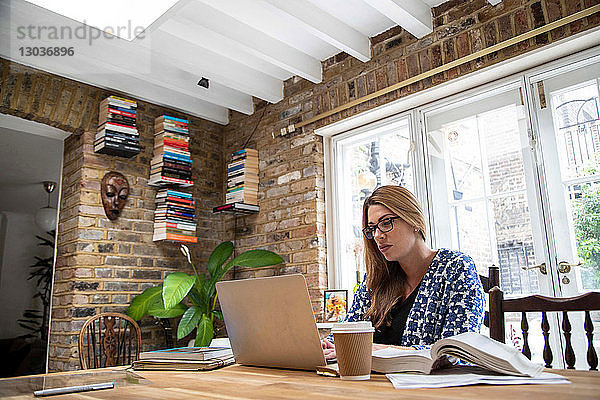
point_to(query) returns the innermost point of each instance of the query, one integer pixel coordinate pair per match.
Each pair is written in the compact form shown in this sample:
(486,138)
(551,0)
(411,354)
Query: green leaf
(176,287)
(198,293)
(157,309)
(139,304)
(218,257)
(189,321)
(254,259)
(218,314)
(195,297)
(205,332)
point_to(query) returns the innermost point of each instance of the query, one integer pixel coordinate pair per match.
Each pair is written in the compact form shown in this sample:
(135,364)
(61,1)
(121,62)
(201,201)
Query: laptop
(270,322)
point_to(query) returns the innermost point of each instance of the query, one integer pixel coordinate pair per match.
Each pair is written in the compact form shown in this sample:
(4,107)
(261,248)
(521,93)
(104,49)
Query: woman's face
(397,243)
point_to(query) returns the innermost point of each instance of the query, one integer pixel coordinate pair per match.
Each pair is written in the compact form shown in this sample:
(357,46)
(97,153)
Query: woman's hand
(328,349)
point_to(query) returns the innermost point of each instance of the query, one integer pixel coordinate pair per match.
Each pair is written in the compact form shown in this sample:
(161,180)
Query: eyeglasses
(385,225)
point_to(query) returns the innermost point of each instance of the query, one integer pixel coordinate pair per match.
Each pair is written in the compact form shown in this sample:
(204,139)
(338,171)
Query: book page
(488,353)
(391,359)
(463,376)
(390,352)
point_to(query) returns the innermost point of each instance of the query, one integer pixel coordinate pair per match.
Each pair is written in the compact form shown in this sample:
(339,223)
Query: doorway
(30,153)
(566,123)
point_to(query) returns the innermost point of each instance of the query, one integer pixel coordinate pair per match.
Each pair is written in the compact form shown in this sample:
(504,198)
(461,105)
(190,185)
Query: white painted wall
(20,249)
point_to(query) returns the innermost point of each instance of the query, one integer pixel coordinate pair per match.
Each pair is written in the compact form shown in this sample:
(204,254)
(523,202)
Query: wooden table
(239,382)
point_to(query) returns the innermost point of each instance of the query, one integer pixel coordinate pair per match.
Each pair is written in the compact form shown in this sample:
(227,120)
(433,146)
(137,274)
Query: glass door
(567,122)
(484,196)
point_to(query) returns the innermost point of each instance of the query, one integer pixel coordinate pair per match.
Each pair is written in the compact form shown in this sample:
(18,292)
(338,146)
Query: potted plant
(167,300)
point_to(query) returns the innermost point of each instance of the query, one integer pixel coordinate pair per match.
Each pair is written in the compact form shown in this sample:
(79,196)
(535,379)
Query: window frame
(514,71)
(332,172)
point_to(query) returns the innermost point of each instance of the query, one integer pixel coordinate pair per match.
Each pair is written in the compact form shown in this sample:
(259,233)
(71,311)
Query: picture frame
(335,305)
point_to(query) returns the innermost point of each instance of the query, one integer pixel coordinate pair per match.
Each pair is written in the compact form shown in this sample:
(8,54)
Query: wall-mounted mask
(114,191)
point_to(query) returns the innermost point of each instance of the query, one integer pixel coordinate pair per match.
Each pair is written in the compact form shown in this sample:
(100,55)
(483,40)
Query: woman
(412,294)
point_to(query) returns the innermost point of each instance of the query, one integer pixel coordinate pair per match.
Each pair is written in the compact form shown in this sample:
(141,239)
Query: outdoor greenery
(587,228)
(587,231)
(198,312)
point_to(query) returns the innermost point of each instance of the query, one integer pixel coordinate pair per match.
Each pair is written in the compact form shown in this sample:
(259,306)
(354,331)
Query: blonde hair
(386,279)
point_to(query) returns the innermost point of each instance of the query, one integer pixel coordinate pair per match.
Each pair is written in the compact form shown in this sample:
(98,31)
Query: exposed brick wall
(102,264)
(291,220)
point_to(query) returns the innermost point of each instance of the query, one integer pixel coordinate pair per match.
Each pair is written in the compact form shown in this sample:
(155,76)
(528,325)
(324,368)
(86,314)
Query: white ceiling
(245,48)
(30,153)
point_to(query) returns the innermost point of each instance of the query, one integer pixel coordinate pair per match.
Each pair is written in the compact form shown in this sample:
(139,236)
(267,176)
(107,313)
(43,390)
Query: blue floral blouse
(449,301)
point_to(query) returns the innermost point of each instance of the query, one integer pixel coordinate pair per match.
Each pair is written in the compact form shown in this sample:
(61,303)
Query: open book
(470,347)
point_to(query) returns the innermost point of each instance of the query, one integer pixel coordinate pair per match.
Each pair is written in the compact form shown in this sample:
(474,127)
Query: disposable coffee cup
(353,347)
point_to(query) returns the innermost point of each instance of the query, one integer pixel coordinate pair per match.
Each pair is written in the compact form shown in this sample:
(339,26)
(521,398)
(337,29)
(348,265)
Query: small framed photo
(335,305)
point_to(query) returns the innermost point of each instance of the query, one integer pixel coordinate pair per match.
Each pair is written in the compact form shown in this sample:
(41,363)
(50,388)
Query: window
(508,173)
(484,165)
(478,163)
(576,122)
(380,154)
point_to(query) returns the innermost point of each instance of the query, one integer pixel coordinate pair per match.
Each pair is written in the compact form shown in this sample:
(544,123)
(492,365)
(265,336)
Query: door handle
(541,266)
(564,267)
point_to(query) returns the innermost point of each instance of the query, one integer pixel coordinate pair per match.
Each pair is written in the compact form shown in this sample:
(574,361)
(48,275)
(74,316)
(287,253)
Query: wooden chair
(109,339)
(493,279)
(536,303)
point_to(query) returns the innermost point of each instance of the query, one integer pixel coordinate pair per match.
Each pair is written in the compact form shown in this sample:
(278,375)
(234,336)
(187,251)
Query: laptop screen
(270,322)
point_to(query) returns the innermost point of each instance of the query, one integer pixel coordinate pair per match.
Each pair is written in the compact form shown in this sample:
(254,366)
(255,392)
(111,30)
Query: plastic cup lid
(352,327)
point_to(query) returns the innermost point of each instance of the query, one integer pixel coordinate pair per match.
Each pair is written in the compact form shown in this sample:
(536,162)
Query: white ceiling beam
(412,15)
(120,56)
(250,40)
(218,68)
(83,71)
(91,63)
(325,27)
(206,39)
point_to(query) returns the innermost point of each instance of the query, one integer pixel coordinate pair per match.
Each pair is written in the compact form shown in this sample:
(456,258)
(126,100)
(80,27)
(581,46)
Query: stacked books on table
(242,177)
(171,162)
(174,218)
(117,133)
(185,358)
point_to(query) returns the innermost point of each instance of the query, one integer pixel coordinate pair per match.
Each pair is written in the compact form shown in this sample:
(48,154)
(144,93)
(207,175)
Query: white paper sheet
(453,378)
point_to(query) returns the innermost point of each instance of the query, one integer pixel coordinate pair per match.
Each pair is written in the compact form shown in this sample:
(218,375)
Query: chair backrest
(109,339)
(493,278)
(586,302)
(488,282)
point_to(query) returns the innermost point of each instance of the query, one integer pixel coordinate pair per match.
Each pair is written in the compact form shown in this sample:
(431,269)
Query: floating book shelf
(242,178)
(172,162)
(236,208)
(174,218)
(117,133)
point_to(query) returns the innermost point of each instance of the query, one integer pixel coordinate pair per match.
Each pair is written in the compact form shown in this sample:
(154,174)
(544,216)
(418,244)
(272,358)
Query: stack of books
(237,208)
(242,177)
(185,358)
(117,133)
(174,218)
(172,162)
